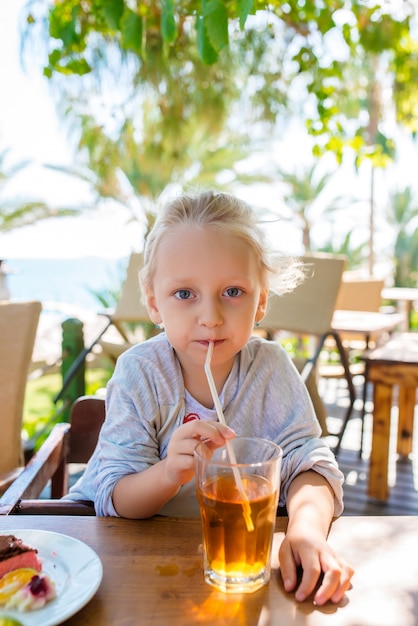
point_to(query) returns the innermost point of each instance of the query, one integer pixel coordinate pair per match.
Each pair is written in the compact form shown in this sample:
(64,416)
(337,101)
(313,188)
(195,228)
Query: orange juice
(236,558)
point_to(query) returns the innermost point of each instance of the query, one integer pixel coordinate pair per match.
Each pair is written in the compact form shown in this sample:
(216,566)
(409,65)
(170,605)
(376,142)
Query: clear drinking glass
(238,512)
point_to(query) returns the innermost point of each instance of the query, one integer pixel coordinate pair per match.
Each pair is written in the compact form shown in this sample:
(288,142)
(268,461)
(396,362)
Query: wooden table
(153,575)
(405,297)
(366,324)
(391,366)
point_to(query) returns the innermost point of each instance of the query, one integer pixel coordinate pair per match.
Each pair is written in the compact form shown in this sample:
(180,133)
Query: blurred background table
(393,371)
(405,297)
(369,325)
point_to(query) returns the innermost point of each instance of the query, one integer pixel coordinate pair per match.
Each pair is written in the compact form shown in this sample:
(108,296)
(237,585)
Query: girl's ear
(262,305)
(152,307)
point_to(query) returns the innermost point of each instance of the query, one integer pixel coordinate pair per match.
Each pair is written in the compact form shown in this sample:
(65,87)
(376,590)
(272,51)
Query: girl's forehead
(198,249)
(192,239)
(202,231)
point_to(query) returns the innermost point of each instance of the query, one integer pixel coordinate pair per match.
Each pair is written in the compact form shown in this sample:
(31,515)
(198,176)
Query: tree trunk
(371,223)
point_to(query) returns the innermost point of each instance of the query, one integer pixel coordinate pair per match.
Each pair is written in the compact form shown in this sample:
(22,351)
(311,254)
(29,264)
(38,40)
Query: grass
(39,412)
(414,320)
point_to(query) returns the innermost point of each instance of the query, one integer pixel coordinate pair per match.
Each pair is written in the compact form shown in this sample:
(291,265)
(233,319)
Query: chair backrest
(87,417)
(18,328)
(309,308)
(360,295)
(129,307)
(67,443)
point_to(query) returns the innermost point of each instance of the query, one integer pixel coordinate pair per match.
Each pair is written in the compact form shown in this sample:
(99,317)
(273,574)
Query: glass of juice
(238,505)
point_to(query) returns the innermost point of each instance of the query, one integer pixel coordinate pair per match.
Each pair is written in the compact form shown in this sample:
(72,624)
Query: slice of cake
(14,554)
(23,586)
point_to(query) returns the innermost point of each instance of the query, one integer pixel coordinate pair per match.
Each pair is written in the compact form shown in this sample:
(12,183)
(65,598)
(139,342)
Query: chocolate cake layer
(12,546)
(14,554)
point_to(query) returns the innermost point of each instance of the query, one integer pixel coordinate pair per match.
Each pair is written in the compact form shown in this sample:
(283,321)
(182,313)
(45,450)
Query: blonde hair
(231,215)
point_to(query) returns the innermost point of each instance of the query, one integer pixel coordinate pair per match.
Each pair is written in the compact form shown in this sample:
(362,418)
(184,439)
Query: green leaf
(79,66)
(54,57)
(63,25)
(74,66)
(215,19)
(131,31)
(245,7)
(168,22)
(206,51)
(112,11)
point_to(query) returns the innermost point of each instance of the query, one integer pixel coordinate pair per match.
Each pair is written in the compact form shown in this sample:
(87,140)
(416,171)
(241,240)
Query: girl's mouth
(216,342)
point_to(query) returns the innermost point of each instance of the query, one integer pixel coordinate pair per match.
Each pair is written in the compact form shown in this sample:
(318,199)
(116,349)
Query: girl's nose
(210,314)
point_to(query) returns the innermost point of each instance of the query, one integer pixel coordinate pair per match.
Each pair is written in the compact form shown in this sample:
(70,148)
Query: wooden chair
(355,294)
(18,328)
(67,443)
(129,311)
(307,312)
(359,295)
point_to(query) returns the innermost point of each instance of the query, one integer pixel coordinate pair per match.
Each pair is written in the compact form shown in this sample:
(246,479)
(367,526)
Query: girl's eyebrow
(189,279)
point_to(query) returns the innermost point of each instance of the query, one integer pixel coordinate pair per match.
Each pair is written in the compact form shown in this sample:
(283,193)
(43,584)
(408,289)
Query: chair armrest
(50,459)
(53,507)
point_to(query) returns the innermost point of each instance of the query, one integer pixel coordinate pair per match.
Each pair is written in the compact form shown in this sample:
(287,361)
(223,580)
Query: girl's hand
(322,571)
(180,462)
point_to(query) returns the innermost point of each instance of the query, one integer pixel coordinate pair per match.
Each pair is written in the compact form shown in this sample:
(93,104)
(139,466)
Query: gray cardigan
(146,401)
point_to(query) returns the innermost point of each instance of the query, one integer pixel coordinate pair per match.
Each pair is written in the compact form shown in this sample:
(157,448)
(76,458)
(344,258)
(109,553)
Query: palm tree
(306,189)
(134,169)
(18,212)
(402,215)
(355,255)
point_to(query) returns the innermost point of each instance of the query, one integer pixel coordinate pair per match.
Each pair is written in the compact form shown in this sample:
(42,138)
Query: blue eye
(183,294)
(233,292)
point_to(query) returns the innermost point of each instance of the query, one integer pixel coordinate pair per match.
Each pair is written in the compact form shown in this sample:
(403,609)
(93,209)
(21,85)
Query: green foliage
(405,93)
(168,22)
(207,74)
(215,23)
(372,40)
(171,126)
(414,321)
(131,31)
(406,259)
(402,215)
(244,8)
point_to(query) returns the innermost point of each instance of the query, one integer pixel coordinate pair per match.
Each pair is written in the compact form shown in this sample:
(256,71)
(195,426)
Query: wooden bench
(393,370)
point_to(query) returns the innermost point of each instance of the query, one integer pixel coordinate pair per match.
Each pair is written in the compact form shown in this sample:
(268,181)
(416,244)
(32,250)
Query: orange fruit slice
(13,581)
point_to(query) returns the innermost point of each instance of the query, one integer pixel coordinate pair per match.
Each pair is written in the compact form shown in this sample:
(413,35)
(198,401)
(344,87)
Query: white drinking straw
(232,459)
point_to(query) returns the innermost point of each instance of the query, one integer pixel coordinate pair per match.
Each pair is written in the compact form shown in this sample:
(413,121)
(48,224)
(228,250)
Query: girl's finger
(215,432)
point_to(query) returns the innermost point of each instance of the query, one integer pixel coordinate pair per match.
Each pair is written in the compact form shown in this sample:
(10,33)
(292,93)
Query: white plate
(73,566)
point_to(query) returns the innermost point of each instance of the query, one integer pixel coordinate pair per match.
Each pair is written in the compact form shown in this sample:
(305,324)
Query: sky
(31,130)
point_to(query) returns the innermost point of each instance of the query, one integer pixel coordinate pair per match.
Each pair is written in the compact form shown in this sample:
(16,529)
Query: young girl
(206,278)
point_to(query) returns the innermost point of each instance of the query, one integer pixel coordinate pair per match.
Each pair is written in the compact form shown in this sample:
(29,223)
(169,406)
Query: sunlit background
(30,130)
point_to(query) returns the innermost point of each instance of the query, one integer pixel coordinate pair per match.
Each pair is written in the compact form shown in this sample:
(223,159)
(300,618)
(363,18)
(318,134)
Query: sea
(72,282)
(67,288)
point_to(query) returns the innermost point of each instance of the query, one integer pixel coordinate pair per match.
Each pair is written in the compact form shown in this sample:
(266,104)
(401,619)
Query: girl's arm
(143,494)
(310,506)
